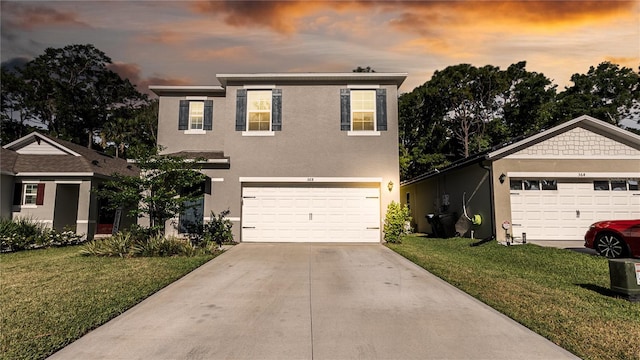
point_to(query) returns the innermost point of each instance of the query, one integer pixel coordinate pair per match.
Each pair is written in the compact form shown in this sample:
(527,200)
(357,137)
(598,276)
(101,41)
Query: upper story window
(196,116)
(259,111)
(363,111)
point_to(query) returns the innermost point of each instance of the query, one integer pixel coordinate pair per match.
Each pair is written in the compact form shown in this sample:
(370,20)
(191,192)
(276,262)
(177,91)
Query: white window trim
(195,131)
(363,87)
(258,133)
(373,132)
(363,133)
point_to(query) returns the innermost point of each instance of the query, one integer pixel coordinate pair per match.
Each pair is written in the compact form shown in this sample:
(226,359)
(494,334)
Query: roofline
(581,119)
(396,78)
(186,89)
(43,137)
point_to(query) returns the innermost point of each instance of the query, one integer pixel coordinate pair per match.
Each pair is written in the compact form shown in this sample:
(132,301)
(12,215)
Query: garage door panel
(566,213)
(299,214)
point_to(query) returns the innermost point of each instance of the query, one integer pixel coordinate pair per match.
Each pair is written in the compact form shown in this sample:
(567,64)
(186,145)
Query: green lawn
(560,294)
(51,297)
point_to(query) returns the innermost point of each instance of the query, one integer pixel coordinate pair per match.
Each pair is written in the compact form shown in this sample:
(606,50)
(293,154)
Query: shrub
(28,233)
(163,246)
(212,233)
(118,245)
(397,222)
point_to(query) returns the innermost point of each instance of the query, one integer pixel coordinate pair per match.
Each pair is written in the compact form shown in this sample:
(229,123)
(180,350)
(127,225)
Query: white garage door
(303,214)
(566,212)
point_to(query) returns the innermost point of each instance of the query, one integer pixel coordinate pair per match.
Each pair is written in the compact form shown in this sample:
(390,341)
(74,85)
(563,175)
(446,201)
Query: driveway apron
(311,301)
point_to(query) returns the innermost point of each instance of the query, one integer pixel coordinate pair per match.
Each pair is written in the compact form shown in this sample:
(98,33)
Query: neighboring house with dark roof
(550,186)
(294,157)
(52,181)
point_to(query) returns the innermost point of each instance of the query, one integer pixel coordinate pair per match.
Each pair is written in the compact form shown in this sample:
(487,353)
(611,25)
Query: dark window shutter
(40,194)
(17,194)
(241,110)
(276,110)
(208,115)
(381,109)
(183,117)
(345,109)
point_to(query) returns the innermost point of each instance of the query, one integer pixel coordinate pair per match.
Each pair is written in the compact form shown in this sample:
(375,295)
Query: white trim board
(311,179)
(573,175)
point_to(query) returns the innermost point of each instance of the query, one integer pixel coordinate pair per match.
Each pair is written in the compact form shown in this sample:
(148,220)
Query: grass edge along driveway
(51,297)
(560,294)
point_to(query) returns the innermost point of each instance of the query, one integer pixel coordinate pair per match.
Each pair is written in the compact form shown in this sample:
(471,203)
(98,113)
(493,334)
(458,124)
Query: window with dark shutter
(40,195)
(381,109)
(276,110)
(345,109)
(183,117)
(208,115)
(241,109)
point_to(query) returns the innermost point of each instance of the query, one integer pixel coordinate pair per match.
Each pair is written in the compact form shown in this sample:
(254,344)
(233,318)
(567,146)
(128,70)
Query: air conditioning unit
(625,278)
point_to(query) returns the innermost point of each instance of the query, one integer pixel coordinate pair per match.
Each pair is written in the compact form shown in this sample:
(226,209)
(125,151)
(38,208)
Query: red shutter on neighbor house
(40,195)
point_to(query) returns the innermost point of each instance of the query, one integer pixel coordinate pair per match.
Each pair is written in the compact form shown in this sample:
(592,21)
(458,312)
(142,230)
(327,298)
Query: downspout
(491,203)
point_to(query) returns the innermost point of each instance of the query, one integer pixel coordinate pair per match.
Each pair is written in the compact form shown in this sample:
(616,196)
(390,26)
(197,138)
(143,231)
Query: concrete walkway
(311,301)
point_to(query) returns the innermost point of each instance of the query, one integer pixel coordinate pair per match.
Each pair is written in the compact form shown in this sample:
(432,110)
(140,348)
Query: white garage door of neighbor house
(557,210)
(310,214)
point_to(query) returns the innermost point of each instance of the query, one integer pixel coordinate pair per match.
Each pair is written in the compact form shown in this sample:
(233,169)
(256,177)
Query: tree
(73,93)
(528,102)
(471,98)
(14,113)
(607,92)
(368,69)
(162,191)
(131,129)
(423,138)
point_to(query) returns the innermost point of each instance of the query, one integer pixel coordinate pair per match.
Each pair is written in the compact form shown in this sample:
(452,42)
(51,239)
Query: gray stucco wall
(471,184)
(310,145)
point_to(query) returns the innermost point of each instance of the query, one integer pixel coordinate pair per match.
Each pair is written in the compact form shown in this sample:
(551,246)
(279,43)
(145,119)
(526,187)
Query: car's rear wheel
(611,246)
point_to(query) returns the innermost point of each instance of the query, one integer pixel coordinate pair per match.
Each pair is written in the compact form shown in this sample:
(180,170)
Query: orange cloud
(229,53)
(284,17)
(428,18)
(28,17)
(630,62)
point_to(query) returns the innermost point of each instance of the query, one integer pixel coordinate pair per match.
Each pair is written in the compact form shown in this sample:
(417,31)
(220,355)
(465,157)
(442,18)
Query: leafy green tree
(608,92)
(165,187)
(131,129)
(367,69)
(528,103)
(73,93)
(471,98)
(15,115)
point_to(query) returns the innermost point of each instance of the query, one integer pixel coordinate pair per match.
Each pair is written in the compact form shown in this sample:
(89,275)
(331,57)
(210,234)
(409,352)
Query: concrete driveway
(311,301)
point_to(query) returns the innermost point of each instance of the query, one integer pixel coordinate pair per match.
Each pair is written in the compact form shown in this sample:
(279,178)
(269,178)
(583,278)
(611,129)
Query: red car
(614,238)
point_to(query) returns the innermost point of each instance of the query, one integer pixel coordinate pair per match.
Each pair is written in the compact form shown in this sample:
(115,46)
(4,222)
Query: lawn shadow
(483,241)
(600,290)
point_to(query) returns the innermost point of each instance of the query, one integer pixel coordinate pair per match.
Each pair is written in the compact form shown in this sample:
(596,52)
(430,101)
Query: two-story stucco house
(294,157)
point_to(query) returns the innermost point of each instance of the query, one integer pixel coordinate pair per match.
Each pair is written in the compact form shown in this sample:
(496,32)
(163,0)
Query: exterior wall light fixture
(390,186)
(502,177)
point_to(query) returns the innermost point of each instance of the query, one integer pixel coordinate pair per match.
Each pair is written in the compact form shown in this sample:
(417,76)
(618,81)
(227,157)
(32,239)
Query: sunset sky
(187,43)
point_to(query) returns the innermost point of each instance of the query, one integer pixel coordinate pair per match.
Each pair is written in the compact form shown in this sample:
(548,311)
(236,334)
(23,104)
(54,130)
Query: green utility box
(625,277)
